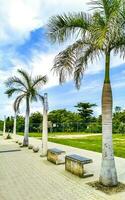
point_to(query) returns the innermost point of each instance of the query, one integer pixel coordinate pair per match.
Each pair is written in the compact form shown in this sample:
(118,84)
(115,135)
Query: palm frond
(73,61)
(39,81)
(61,27)
(65,61)
(25,76)
(88,55)
(96,4)
(98,30)
(78,74)
(119,46)
(15,81)
(41,98)
(64,64)
(13,90)
(106,7)
(17,102)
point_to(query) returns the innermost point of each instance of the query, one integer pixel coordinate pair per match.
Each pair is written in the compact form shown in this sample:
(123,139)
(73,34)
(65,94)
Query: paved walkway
(24,175)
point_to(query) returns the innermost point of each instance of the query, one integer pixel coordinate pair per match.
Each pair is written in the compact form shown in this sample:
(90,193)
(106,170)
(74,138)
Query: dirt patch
(108,190)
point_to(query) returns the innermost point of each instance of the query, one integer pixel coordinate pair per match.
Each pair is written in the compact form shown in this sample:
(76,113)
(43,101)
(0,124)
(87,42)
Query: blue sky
(23,44)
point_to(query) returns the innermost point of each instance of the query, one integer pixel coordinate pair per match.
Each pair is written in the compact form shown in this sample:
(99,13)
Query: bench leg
(55,158)
(76,168)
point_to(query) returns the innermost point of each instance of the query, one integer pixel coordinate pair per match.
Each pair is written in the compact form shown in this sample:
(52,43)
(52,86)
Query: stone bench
(56,156)
(75,164)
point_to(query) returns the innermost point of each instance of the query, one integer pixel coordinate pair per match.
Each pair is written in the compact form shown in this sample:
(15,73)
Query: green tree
(119,121)
(57,118)
(20,123)
(9,124)
(118,109)
(85,111)
(36,119)
(99,34)
(1,125)
(27,88)
(64,120)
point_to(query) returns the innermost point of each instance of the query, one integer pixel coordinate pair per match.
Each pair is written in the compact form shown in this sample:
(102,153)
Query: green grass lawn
(55,134)
(31,134)
(93,143)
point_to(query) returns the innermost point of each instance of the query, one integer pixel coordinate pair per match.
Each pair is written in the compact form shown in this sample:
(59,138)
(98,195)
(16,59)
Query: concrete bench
(56,156)
(75,164)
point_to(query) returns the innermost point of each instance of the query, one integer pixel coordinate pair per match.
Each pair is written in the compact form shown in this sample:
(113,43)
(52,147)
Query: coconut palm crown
(25,87)
(98,34)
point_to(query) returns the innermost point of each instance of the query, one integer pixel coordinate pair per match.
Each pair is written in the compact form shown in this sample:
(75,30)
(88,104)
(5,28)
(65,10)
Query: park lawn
(68,133)
(54,134)
(94,143)
(31,134)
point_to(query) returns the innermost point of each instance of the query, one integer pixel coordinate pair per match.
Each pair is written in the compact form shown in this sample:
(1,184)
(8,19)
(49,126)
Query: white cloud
(54,7)
(40,63)
(19,17)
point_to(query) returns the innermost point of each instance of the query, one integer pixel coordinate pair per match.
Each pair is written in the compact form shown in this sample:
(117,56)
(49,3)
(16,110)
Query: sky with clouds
(23,44)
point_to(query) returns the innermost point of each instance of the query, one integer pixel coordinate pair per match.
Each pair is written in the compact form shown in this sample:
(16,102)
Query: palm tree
(45,126)
(14,124)
(27,88)
(98,34)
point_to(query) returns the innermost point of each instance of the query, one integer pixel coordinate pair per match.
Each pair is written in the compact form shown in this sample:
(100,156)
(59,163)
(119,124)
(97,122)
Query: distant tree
(85,111)
(64,120)
(57,116)
(36,119)
(1,125)
(94,127)
(118,109)
(20,123)
(9,124)
(119,121)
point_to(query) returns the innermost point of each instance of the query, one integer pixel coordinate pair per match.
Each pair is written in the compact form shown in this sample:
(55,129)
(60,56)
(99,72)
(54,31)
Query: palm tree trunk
(45,126)
(14,126)
(4,126)
(26,131)
(108,174)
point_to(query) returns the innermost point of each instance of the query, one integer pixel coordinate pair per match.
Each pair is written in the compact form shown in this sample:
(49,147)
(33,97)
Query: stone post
(14,125)
(4,127)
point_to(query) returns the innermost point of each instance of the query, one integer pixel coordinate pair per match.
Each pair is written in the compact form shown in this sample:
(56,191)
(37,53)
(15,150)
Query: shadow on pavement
(10,151)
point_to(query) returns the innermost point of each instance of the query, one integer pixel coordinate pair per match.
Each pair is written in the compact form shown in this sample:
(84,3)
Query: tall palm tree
(27,88)
(14,125)
(45,126)
(97,34)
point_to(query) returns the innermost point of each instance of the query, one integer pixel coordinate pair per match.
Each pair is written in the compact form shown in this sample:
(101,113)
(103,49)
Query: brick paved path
(24,175)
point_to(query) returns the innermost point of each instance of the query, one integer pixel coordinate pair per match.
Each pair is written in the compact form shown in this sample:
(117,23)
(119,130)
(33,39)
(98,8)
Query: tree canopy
(96,34)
